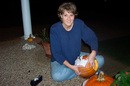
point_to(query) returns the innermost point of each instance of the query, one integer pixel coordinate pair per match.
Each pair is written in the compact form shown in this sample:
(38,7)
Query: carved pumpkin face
(86,71)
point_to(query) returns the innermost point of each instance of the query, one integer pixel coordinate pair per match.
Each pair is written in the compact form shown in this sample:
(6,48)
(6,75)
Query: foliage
(44,35)
(122,79)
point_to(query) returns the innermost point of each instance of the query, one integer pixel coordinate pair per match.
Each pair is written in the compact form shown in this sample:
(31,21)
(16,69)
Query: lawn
(118,49)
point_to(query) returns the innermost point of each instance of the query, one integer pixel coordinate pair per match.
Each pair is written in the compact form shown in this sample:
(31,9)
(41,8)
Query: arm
(55,46)
(91,57)
(57,52)
(90,38)
(73,67)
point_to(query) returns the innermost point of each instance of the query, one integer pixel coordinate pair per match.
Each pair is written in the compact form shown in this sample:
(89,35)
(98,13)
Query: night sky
(46,12)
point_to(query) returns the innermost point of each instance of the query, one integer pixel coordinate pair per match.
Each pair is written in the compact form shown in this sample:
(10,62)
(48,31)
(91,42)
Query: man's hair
(69,6)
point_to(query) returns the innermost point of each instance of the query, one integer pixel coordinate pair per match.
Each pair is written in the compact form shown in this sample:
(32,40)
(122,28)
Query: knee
(57,77)
(100,60)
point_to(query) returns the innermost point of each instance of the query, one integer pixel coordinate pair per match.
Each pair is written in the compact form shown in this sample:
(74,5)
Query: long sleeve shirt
(66,45)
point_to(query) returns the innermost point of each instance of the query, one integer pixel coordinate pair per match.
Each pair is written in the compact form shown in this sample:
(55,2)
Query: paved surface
(18,67)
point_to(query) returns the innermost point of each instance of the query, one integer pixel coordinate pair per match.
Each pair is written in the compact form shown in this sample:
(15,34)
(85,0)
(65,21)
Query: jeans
(61,73)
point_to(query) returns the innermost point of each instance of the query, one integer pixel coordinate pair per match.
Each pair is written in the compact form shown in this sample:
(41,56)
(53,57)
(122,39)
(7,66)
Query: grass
(118,49)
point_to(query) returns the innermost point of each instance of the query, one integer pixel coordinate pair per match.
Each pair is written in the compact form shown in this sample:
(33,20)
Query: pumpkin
(99,80)
(30,39)
(87,70)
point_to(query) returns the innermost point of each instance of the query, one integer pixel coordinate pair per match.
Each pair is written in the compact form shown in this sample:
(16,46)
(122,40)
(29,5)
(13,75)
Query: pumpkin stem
(101,76)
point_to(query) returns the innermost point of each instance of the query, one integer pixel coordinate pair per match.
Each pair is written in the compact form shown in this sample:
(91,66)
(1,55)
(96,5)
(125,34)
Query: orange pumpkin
(99,80)
(88,71)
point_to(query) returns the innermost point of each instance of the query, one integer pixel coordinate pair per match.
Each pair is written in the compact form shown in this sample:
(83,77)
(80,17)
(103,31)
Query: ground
(18,67)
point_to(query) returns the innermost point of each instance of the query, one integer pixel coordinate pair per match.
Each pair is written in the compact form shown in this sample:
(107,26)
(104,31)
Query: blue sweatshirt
(66,45)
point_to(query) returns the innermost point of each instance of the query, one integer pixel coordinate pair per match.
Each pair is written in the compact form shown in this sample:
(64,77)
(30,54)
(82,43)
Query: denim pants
(61,73)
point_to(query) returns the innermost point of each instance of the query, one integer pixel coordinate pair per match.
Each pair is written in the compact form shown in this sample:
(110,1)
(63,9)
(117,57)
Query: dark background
(45,11)
(103,16)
